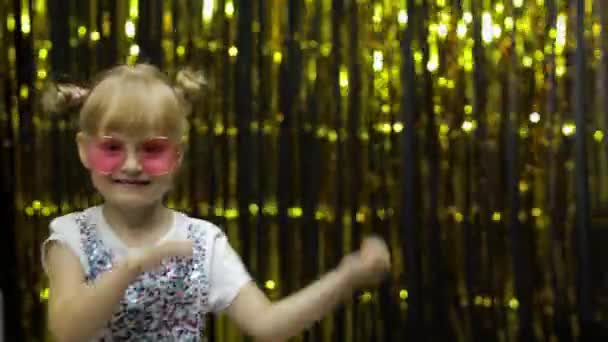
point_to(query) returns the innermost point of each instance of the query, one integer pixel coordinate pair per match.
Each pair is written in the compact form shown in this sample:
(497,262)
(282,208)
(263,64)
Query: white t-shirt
(227,272)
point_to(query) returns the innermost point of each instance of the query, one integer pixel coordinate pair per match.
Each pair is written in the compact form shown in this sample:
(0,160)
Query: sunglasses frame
(92,140)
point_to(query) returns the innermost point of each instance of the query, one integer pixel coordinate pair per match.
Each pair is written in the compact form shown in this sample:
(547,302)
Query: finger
(387,256)
(383,265)
(387,266)
(381,261)
(184,249)
(176,248)
(375,254)
(374,242)
(367,241)
(374,238)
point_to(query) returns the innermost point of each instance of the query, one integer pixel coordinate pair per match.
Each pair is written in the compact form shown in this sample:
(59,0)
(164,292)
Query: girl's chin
(131,198)
(131,203)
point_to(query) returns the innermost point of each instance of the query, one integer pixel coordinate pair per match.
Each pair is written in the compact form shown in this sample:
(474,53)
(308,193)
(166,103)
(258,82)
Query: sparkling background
(468,133)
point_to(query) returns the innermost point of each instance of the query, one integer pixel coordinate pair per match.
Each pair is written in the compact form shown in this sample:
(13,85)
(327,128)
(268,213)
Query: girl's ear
(81,142)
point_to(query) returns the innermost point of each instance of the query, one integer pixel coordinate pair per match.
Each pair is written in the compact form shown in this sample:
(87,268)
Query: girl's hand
(369,265)
(148,259)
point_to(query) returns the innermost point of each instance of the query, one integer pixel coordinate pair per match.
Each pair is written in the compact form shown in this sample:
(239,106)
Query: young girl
(134,270)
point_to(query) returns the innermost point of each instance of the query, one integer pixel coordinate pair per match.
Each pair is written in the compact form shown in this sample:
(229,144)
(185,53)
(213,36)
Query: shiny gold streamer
(369,199)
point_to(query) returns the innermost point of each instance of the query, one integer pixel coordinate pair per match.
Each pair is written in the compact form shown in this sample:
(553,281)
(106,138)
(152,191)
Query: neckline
(107,233)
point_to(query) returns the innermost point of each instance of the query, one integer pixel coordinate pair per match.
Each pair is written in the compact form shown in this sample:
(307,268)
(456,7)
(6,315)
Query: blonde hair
(130,99)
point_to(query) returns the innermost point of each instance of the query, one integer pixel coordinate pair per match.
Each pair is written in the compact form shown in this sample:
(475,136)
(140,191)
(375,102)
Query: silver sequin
(164,305)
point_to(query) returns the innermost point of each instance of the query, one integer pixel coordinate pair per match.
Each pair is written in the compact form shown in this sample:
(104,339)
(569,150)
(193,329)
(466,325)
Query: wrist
(347,279)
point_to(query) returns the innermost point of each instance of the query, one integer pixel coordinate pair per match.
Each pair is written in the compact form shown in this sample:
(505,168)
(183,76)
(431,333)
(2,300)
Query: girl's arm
(78,310)
(279,321)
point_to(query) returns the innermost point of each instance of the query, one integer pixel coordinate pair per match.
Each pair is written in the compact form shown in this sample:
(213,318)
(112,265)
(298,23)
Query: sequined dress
(165,305)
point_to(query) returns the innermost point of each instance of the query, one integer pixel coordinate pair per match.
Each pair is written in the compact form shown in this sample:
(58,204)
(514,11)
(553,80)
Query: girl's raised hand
(150,258)
(369,265)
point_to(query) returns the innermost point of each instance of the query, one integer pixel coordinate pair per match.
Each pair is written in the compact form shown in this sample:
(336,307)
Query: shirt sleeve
(228,274)
(63,230)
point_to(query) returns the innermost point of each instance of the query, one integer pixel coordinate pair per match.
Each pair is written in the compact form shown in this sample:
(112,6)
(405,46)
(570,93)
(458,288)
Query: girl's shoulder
(72,219)
(66,229)
(70,223)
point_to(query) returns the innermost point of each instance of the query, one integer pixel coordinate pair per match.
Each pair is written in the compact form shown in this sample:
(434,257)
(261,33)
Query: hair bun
(189,83)
(58,98)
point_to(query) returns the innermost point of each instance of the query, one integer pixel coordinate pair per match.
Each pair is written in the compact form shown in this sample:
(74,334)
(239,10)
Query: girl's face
(130,171)
(132,124)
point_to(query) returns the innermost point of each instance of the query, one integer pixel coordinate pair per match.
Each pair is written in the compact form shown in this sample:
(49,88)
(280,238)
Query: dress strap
(200,264)
(99,258)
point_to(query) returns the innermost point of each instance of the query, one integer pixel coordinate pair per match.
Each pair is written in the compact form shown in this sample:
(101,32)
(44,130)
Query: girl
(134,270)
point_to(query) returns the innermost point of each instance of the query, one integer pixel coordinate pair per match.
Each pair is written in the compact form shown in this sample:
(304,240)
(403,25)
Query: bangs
(132,107)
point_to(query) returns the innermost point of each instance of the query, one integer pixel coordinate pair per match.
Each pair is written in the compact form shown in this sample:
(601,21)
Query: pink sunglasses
(157,156)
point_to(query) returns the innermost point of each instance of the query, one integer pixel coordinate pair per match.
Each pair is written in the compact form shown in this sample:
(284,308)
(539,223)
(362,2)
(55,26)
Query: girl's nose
(131,165)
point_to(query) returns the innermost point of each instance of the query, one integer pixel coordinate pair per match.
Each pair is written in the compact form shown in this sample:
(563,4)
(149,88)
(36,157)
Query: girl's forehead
(138,124)
(133,109)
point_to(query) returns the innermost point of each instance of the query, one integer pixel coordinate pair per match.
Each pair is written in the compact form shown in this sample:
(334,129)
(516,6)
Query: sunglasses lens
(158,156)
(106,155)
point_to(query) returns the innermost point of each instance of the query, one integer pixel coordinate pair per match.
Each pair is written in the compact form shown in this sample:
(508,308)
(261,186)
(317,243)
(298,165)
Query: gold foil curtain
(468,133)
